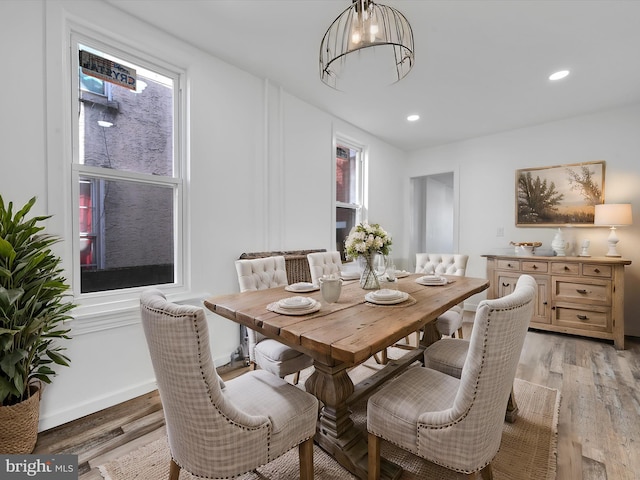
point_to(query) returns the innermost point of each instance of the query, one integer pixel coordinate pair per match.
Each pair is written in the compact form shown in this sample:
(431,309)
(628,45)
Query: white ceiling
(481,66)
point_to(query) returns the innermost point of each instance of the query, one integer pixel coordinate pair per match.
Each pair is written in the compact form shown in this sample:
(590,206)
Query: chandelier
(368,44)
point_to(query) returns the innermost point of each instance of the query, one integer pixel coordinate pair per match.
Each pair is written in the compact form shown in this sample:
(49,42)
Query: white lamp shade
(613,214)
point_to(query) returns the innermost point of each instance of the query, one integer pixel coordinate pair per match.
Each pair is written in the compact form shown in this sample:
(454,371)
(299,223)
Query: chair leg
(408,345)
(296,378)
(383,357)
(174,470)
(512,408)
(486,473)
(374,457)
(460,332)
(305,452)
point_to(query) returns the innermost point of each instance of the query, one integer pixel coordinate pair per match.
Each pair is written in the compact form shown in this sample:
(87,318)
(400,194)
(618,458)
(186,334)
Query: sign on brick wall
(107,70)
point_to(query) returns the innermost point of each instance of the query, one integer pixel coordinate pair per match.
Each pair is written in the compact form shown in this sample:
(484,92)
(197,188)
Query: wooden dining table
(343,334)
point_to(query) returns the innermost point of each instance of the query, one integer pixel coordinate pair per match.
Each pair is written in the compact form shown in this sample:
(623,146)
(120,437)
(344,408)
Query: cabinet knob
(566,268)
(505,284)
(582,317)
(581,291)
(545,303)
(535,267)
(597,270)
(509,265)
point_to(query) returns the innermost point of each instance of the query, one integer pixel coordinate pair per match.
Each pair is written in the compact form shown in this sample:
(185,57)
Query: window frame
(89,301)
(360,206)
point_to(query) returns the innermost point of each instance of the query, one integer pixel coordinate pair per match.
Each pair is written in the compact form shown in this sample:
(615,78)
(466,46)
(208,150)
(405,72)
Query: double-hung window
(127,173)
(349,190)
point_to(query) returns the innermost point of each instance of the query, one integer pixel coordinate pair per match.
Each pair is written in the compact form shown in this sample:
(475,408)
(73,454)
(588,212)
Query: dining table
(343,334)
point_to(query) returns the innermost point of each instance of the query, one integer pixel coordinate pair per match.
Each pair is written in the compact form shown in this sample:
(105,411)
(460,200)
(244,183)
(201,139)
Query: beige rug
(527,451)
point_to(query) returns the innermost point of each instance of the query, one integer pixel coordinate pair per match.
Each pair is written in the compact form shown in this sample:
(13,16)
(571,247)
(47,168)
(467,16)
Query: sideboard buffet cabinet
(576,295)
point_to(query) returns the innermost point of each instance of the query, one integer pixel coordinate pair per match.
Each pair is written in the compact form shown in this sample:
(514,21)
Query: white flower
(365,239)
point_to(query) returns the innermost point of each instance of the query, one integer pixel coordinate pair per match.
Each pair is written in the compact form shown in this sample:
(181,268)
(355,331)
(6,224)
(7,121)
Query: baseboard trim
(79,410)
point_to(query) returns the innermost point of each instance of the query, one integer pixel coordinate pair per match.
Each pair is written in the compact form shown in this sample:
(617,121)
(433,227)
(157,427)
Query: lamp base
(612,241)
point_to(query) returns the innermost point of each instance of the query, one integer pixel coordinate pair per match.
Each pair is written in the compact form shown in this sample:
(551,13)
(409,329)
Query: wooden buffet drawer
(591,319)
(509,265)
(593,293)
(534,267)
(562,268)
(603,271)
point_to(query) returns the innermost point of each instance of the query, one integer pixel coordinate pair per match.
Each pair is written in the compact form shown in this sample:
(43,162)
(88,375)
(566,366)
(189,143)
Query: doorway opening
(433,219)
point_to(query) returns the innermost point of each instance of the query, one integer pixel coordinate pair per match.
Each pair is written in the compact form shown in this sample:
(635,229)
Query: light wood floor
(598,430)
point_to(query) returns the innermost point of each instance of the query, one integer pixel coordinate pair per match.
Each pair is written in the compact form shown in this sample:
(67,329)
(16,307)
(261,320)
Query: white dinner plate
(297,302)
(386,294)
(302,287)
(350,275)
(372,299)
(402,273)
(278,308)
(431,280)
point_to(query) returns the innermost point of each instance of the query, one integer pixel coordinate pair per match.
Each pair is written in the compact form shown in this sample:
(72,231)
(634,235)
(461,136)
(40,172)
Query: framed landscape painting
(559,195)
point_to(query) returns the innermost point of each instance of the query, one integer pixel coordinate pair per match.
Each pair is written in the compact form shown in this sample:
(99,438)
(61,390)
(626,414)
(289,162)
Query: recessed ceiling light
(413,118)
(559,75)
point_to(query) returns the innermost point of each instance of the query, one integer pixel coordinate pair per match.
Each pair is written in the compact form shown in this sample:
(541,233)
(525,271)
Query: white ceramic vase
(558,244)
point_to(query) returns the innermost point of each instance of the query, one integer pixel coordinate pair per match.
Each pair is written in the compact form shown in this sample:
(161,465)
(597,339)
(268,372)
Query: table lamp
(613,215)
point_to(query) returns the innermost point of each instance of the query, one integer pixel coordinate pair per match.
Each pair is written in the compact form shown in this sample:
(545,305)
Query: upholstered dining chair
(450,321)
(457,423)
(264,352)
(323,263)
(216,429)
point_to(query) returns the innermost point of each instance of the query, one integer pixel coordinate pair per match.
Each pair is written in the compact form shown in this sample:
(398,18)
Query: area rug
(527,451)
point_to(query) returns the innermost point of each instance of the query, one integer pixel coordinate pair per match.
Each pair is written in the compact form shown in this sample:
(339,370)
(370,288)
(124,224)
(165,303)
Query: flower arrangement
(367,239)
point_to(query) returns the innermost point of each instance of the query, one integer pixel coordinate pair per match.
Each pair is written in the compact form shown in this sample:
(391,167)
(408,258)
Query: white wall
(487,168)
(260,179)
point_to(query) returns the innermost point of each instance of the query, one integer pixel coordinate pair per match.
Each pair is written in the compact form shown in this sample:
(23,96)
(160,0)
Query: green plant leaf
(6,249)
(7,390)
(9,362)
(58,358)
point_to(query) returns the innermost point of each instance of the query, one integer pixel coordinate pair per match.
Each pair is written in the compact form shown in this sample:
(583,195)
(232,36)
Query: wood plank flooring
(598,430)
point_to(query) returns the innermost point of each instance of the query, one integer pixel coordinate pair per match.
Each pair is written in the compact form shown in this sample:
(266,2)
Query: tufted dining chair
(457,423)
(450,321)
(323,263)
(216,429)
(265,352)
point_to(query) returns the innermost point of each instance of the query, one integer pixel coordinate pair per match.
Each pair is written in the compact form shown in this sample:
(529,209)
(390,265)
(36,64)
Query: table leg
(336,432)
(430,334)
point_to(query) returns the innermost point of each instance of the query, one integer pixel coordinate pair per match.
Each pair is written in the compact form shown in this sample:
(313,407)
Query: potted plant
(33,308)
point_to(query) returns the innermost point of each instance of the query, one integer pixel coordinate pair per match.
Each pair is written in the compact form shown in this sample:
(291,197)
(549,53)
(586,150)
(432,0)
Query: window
(349,191)
(127,175)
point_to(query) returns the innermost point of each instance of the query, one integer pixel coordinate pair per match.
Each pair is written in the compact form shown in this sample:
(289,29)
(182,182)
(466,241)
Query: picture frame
(559,195)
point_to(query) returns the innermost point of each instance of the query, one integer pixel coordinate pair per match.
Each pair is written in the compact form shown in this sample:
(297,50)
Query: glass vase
(369,277)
